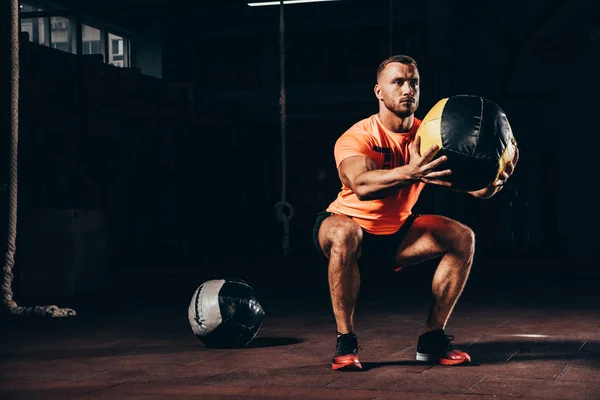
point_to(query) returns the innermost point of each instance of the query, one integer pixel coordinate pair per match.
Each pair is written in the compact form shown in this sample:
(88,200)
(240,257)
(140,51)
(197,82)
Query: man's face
(398,88)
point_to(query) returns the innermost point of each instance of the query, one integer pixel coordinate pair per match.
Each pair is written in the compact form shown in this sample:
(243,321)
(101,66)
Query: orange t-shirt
(388,150)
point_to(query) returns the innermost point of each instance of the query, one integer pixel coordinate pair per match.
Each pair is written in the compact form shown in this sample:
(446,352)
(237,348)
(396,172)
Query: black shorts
(379,248)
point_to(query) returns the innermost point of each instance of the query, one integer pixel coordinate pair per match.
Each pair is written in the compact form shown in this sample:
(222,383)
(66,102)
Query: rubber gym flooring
(528,338)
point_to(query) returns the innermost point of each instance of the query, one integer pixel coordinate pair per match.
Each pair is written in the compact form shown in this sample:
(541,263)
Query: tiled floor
(526,343)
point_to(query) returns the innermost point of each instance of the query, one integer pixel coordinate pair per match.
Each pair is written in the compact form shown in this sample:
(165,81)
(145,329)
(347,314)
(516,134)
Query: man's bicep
(350,168)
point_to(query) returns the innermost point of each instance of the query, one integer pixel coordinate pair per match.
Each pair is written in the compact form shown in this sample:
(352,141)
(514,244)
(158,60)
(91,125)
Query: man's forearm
(381,183)
(487,192)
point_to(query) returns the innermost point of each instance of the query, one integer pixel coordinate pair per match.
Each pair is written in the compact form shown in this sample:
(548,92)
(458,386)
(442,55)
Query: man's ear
(377,90)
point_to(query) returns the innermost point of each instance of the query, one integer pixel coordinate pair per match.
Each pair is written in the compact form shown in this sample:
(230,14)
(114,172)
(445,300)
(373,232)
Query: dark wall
(97,167)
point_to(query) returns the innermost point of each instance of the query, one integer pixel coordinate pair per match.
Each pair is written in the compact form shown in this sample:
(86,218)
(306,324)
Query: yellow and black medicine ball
(475,135)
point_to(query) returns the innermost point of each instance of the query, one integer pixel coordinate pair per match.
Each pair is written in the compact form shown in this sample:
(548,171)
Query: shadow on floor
(273,342)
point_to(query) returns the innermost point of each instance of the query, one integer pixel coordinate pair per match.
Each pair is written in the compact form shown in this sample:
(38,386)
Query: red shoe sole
(347,363)
(427,358)
(448,361)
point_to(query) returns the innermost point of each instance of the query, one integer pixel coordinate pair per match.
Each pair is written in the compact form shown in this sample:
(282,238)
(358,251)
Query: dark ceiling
(561,22)
(106,5)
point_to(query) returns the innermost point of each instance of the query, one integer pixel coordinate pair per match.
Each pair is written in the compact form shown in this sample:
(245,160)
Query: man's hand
(495,187)
(423,169)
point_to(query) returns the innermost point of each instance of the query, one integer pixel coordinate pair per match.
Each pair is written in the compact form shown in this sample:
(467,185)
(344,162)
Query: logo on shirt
(387,156)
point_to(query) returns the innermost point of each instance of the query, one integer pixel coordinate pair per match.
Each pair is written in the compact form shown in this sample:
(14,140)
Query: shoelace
(446,342)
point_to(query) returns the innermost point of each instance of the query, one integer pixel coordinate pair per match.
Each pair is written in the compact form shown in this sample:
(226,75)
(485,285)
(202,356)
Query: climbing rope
(284,210)
(7,274)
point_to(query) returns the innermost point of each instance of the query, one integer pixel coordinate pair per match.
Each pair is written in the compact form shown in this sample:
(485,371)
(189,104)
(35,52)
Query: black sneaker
(346,353)
(436,347)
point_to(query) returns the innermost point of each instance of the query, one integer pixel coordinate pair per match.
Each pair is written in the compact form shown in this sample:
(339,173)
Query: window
(91,40)
(35,27)
(117,53)
(62,34)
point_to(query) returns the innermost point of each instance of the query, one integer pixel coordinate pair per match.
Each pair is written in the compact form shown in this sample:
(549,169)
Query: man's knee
(463,238)
(341,233)
(348,236)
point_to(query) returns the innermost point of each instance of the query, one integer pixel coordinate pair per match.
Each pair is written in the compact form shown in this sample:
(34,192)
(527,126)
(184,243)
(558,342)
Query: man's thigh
(425,239)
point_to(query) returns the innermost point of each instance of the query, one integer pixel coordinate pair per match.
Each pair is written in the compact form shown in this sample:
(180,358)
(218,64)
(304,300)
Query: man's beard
(402,110)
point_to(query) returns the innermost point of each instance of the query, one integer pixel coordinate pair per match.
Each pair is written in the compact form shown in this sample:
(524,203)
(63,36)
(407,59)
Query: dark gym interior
(154,148)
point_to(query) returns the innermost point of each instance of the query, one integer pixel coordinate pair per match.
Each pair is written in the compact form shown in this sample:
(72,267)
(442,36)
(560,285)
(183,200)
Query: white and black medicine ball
(225,313)
(475,135)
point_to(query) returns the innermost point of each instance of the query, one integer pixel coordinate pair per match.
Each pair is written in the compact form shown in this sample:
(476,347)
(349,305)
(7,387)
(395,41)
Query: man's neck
(395,123)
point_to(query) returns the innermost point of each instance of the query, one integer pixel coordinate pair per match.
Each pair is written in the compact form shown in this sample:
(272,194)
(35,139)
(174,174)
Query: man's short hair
(401,58)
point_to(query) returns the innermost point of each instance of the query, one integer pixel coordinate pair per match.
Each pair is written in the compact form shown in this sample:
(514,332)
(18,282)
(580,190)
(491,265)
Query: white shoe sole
(425,357)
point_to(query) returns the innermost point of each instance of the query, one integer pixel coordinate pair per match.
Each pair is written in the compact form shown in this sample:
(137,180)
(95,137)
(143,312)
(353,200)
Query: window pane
(62,34)
(115,47)
(116,50)
(36,28)
(96,48)
(91,40)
